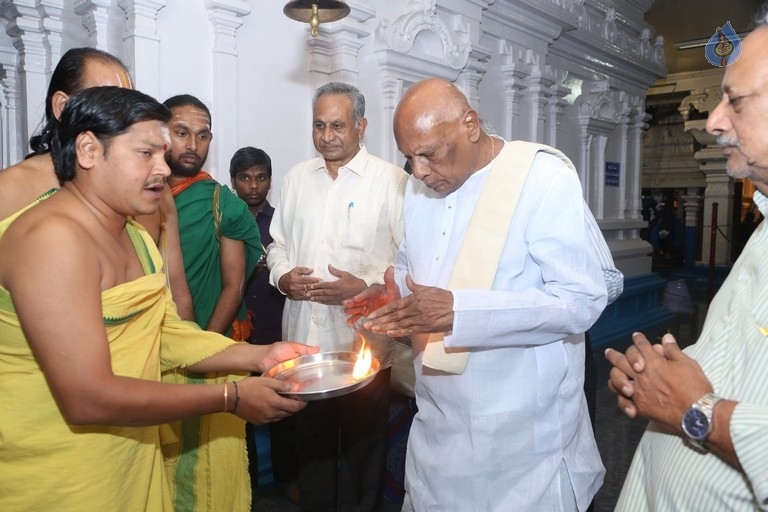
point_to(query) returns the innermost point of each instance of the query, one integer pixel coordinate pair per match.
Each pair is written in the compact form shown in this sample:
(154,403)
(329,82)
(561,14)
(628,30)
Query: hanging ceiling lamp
(315,12)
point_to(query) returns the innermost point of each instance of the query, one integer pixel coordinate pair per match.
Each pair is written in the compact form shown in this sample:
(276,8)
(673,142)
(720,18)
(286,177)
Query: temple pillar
(693,205)
(719,189)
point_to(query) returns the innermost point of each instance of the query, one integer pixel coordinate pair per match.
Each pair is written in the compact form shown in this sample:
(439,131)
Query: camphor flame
(363,364)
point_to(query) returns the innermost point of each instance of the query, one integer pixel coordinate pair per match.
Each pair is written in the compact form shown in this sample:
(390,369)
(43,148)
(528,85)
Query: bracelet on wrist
(237,398)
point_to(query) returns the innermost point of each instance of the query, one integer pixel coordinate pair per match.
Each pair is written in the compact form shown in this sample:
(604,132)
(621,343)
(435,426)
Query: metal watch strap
(706,404)
(708,401)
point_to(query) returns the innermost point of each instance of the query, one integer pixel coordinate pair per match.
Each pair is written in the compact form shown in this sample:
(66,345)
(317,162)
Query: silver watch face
(696,424)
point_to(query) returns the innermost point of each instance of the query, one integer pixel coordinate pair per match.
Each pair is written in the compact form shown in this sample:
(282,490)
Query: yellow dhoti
(47,464)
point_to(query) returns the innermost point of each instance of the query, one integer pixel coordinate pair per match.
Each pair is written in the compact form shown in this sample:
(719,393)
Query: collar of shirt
(267,210)
(761,201)
(356,165)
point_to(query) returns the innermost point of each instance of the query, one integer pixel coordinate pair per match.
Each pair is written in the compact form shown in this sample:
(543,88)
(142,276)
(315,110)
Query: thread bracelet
(237,398)
(226,392)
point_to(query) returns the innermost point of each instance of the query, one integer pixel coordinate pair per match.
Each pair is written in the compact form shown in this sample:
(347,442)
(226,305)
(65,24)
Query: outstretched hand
(282,351)
(372,298)
(260,399)
(426,309)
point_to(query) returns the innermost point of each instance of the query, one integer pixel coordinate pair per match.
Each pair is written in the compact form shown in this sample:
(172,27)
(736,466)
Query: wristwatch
(697,421)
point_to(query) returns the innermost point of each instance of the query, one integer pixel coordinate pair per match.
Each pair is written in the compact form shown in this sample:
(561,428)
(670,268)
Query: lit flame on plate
(363,364)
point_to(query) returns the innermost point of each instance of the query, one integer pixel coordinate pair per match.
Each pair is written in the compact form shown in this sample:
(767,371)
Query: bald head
(440,135)
(431,102)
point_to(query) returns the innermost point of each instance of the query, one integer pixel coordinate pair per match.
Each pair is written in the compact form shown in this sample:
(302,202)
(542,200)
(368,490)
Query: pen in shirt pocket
(349,208)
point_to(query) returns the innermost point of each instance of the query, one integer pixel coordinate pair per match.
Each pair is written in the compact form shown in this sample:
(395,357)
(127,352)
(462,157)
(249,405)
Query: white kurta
(495,437)
(353,223)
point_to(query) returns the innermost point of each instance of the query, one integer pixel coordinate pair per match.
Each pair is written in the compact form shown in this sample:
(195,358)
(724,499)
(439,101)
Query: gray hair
(352,92)
(488,127)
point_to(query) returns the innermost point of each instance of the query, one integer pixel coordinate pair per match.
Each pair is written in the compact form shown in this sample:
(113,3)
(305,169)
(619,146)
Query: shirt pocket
(361,226)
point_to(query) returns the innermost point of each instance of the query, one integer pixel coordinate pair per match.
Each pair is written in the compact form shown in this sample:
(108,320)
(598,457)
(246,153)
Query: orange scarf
(181,186)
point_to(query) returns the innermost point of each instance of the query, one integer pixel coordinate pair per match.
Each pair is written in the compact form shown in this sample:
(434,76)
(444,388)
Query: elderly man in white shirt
(336,229)
(497,299)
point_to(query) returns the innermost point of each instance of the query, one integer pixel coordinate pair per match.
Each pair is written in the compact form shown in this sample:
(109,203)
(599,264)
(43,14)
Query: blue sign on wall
(612,171)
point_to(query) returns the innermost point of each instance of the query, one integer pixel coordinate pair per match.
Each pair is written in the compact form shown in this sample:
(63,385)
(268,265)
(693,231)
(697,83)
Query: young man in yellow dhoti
(87,326)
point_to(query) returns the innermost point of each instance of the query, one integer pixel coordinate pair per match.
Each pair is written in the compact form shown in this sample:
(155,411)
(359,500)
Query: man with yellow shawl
(220,245)
(87,325)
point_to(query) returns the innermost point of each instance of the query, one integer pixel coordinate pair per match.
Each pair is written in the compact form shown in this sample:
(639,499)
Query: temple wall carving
(569,73)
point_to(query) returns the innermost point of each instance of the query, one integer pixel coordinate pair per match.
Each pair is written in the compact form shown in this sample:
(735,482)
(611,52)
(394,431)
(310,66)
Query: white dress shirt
(496,437)
(353,223)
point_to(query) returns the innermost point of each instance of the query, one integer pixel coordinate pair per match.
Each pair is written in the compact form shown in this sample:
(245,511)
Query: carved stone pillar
(334,52)
(603,123)
(95,16)
(535,99)
(693,206)
(225,18)
(5,143)
(719,190)
(392,90)
(638,123)
(13,146)
(598,115)
(25,24)
(615,198)
(473,73)
(53,25)
(514,73)
(555,108)
(142,43)
(719,185)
